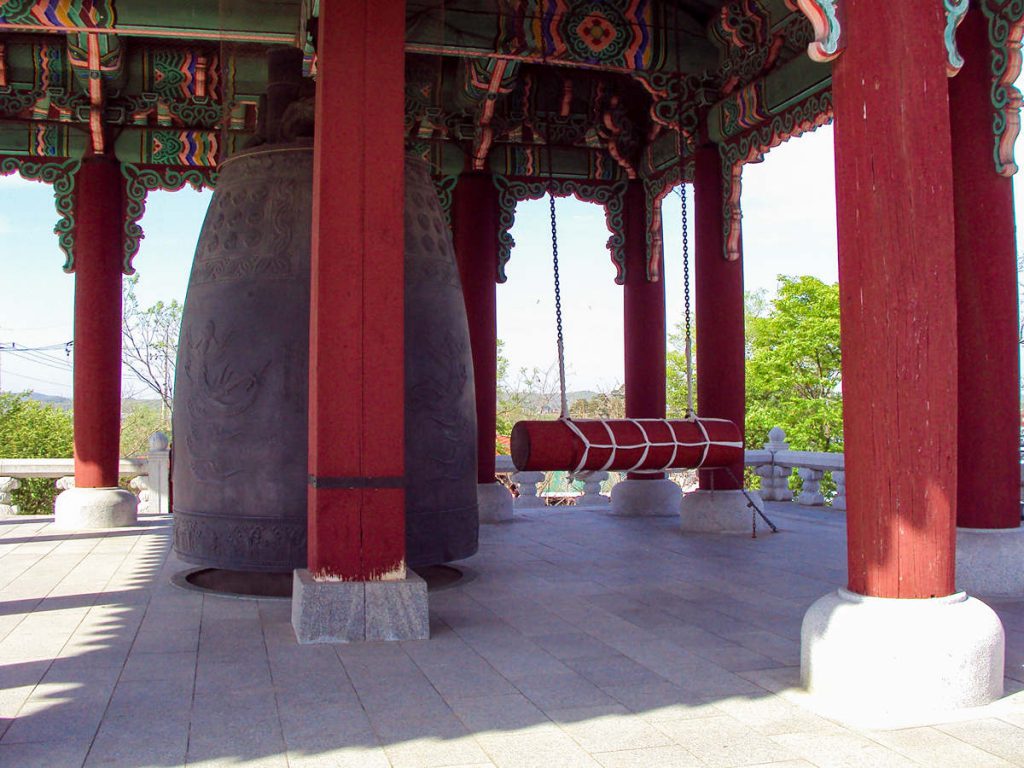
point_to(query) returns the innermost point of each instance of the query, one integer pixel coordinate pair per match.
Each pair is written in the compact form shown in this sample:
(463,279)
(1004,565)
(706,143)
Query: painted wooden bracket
(1005,31)
(824,18)
(140,182)
(813,112)
(655,191)
(61,174)
(611,196)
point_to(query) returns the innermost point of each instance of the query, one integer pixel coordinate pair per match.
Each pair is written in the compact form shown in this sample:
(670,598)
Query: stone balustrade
(529,485)
(775,464)
(150,476)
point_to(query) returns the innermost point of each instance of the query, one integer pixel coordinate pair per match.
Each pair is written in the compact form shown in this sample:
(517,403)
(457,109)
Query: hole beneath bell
(272,585)
(229,583)
(439,577)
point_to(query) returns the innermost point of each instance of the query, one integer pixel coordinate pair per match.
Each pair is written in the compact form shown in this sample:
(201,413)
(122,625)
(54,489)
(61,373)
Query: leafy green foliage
(140,420)
(31,430)
(675,373)
(793,367)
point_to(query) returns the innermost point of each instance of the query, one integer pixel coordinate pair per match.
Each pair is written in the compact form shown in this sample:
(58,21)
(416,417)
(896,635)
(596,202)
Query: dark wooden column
(988,413)
(99,229)
(897,266)
(356,370)
(475,235)
(643,321)
(719,318)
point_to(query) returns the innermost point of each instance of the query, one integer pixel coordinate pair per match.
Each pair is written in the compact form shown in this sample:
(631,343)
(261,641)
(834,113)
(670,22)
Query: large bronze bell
(240,422)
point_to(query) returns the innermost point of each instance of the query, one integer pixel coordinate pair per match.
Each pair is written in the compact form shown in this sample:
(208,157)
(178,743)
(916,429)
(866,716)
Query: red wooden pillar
(988,416)
(897,267)
(99,216)
(718,315)
(644,321)
(356,385)
(475,230)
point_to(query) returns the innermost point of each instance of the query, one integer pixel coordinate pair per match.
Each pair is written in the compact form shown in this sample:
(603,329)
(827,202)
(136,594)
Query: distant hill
(55,400)
(58,401)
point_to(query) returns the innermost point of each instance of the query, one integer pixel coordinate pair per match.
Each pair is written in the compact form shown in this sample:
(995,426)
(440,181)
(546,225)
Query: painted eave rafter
(828,33)
(956,10)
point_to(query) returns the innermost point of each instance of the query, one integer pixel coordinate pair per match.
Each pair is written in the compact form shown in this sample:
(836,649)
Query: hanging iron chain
(687,319)
(558,310)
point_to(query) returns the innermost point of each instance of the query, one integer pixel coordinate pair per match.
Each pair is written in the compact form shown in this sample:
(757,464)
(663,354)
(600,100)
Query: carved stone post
(159,460)
(774,482)
(810,495)
(592,490)
(528,483)
(839,502)
(775,479)
(8,484)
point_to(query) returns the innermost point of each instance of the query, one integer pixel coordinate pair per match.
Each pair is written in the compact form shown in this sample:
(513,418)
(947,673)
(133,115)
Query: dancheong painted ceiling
(595,89)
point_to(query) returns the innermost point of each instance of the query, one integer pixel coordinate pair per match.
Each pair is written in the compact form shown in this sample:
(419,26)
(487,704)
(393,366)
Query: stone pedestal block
(869,658)
(718,512)
(354,611)
(94,508)
(494,502)
(646,498)
(990,562)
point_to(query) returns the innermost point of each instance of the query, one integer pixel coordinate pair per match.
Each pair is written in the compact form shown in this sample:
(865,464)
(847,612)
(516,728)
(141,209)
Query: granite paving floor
(574,639)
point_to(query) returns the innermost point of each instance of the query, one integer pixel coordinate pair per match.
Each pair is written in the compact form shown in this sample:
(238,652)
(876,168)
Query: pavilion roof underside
(595,89)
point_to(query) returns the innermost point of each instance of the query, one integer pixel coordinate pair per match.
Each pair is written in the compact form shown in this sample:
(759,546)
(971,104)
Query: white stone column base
(495,503)
(719,512)
(990,562)
(877,658)
(94,508)
(357,611)
(646,498)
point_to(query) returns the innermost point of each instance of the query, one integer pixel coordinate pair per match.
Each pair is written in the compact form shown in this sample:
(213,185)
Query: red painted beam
(897,281)
(719,314)
(99,228)
(988,414)
(475,230)
(643,320)
(356,370)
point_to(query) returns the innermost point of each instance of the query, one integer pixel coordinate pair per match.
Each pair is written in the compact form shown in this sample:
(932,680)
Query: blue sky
(788,228)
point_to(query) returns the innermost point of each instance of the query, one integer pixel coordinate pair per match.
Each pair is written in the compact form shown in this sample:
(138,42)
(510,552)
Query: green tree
(31,430)
(755,305)
(793,367)
(675,374)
